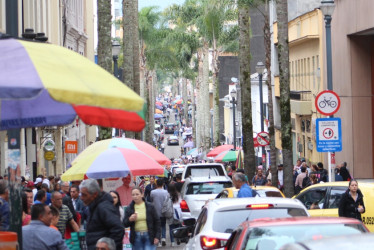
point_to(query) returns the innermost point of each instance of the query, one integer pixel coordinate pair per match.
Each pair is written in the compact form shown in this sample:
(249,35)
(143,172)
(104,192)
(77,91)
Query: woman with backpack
(175,220)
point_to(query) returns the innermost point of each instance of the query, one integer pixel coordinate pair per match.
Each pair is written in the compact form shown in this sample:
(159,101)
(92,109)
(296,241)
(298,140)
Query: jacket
(103,221)
(153,222)
(348,207)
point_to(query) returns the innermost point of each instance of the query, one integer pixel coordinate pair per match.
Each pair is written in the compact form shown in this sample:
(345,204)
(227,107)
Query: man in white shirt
(280,177)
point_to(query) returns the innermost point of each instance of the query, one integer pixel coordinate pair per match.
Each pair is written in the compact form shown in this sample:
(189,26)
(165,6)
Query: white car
(220,217)
(204,170)
(196,191)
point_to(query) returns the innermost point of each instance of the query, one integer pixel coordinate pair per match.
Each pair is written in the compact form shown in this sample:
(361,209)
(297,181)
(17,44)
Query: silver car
(220,217)
(197,191)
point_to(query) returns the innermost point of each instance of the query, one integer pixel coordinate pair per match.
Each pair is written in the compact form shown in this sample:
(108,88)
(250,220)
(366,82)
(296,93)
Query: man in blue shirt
(241,183)
(38,235)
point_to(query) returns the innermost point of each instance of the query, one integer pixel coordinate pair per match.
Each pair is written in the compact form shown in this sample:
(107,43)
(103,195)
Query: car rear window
(262,238)
(268,193)
(202,171)
(226,221)
(207,187)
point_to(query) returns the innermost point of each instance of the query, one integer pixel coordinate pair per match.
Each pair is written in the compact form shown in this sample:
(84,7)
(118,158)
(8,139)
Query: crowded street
(186,124)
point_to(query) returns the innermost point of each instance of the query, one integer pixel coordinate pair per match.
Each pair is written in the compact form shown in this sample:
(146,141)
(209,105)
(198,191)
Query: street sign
(263,139)
(329,134)
(327,102)
(49,155)
(255,142)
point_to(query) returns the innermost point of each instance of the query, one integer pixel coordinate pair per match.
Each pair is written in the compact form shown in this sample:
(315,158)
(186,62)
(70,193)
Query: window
(228,220)
(315,197)
(201,220)
(207,187)
(336,194)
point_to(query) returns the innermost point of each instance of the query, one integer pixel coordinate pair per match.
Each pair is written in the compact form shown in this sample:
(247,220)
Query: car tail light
(260,206)
(184,206)
(207,242)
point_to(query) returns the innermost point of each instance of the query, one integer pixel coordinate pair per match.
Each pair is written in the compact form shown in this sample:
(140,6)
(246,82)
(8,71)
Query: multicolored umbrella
(189,144)
(104,158)
(217,150)
(180,101)
(115,162)
(228,155)
(54,88)
(193,152)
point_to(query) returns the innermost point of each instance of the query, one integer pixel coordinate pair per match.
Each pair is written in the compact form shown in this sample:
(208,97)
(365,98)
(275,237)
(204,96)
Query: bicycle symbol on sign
(322,104)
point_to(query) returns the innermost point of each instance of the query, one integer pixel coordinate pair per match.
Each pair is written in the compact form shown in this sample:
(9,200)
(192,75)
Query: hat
(38,180)
(30,184)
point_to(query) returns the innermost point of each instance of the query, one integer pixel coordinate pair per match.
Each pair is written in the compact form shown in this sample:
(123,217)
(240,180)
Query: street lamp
(327,8)
(260,67)
(116,49)
(211,128)
(233,96)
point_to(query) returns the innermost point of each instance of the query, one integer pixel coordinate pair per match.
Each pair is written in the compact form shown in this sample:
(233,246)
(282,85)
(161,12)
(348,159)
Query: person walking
(259,179)
(175,220)
(103,219)
(352,202)
(66,217)
(38,234)
(240,183)
(151,186)
(144,222)
(117,204)
(299,180)
(158,196)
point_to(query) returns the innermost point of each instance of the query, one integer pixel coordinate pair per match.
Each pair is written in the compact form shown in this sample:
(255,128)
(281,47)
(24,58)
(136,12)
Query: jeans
(171,227)
(163,227)
(143,242)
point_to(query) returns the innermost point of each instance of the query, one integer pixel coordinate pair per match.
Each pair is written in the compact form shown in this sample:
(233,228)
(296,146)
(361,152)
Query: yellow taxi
(323,199)
(261,191)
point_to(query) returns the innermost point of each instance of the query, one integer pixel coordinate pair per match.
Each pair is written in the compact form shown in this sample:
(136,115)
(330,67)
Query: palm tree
(104,50)
(245,82)
(284,79)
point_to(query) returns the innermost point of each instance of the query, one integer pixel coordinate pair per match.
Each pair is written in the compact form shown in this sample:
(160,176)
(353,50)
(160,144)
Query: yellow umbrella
(158,111)
(30,68)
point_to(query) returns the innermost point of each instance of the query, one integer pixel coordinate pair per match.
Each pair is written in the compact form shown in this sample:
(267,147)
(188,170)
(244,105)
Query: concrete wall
(352,40)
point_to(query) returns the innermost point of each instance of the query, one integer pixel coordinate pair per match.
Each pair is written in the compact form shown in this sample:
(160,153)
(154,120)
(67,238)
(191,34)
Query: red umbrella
(217,150)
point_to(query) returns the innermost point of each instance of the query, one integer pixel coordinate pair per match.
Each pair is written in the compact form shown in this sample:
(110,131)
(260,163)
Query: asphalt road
(172,151)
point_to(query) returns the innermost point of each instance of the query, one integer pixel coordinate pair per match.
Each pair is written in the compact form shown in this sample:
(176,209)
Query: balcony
(301,102)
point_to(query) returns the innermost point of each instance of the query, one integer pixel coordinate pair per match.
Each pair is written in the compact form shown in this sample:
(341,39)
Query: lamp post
(233,96)
(260,67)
(211,128)
(116,49)
(327,8)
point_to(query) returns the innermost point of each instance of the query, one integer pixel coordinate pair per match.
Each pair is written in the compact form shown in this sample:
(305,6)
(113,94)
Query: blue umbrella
(158,116)
(193,152)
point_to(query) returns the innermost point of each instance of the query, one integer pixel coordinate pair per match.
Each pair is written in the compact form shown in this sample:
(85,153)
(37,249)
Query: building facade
(352,32)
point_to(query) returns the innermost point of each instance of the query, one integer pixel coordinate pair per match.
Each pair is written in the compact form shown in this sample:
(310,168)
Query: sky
(161,3)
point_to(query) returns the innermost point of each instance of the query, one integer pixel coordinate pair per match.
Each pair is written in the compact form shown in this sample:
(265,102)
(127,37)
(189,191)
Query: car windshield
(207,187)
(274,237)
(204,171)
(268,193)
(226,221)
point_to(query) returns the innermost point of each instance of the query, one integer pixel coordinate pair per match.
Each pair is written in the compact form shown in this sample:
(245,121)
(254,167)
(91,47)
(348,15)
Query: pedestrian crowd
(53,210)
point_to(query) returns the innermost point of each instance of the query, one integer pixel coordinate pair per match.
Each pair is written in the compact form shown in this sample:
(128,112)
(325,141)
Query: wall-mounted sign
(71,147)
(49,145)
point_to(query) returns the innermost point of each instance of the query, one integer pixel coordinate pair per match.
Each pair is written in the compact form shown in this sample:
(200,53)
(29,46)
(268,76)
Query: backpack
(167,208)
(306,181)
